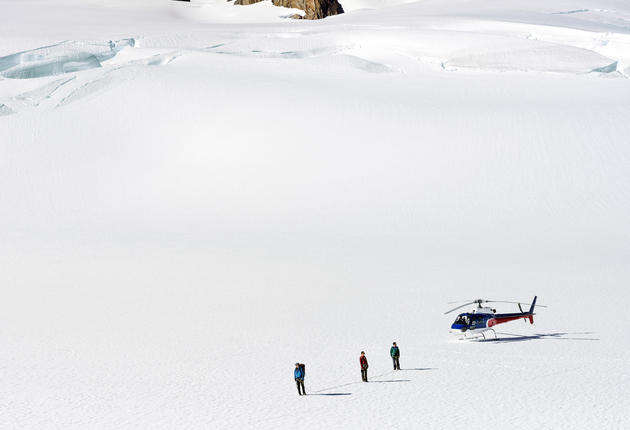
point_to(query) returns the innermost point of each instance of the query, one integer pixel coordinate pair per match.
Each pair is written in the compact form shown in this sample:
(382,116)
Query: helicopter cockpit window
(462,319)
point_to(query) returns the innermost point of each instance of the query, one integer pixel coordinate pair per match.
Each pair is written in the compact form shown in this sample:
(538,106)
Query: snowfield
(194,196)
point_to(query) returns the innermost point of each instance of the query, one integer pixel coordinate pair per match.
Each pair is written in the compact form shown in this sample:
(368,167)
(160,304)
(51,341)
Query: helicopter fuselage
(483,319)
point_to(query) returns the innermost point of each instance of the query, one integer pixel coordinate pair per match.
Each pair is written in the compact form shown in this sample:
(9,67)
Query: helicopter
(483,318)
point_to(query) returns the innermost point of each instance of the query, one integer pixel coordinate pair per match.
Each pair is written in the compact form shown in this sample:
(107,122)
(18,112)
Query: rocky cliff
(315,9)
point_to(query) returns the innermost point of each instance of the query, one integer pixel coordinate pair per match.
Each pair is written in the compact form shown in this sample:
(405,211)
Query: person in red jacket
(364,366)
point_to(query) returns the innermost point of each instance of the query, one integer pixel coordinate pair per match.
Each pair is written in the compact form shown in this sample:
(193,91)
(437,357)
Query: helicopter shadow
(538,336)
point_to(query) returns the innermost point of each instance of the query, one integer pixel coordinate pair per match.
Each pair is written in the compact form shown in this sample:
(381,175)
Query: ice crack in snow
(63,57)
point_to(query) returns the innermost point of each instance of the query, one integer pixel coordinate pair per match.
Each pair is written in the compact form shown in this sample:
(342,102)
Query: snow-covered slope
(196,196)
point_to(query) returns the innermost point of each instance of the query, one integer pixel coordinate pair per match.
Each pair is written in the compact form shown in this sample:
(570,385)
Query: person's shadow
(421,368)
(385,381)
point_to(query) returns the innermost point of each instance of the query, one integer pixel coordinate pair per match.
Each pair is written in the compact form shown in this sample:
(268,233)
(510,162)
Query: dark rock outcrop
(314,9)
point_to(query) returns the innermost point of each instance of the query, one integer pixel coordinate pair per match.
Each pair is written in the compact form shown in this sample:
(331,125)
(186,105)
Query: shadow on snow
(521,338)
(421,368)
(321,392)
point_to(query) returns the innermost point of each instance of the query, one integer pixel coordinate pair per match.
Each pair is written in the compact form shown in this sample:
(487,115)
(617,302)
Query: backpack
(302,366)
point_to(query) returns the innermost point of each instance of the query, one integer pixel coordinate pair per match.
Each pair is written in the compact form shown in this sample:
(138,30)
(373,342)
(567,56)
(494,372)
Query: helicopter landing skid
(492,330)
(478,335)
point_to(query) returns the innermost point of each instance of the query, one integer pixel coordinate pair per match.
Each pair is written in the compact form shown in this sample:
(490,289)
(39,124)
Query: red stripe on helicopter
(495,321)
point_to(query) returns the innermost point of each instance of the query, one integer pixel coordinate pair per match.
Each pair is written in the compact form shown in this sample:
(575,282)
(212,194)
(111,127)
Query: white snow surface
(194,196)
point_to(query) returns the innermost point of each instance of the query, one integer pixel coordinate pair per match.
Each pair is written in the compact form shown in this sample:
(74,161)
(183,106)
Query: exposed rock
(315,9)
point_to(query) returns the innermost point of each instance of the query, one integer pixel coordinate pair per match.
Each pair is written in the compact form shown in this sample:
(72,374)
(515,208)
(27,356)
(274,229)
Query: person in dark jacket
(298,375)
(364,366)
(395,353)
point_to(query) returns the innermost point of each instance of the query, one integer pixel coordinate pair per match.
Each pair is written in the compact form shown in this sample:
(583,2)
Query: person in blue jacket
(298,375)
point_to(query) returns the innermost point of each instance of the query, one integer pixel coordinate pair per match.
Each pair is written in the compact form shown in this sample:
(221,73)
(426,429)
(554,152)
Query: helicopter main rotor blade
(459,307)
(515,303)
(480,301)
(462,301)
